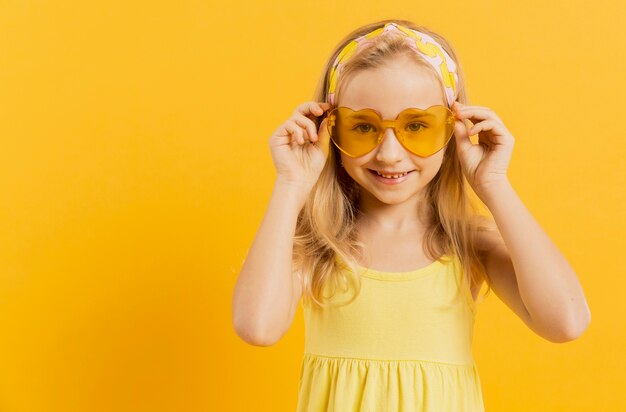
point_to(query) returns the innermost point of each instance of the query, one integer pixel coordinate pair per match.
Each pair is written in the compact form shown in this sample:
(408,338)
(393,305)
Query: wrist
(489,192)
(291,191)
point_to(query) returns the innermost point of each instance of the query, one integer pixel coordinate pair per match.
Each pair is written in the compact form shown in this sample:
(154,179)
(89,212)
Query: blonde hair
(326,236)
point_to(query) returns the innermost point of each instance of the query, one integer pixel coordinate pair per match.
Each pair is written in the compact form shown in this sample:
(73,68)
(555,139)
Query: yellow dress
(403,345)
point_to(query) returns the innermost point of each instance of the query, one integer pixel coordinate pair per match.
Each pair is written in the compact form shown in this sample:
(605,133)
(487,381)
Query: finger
(498,132)
(314,108)
(325,105)
(289,131)
(277,140)
(480,126)
(477,113)
(308,124)
(306,108)
(318,108)
(295,131)
(460,106)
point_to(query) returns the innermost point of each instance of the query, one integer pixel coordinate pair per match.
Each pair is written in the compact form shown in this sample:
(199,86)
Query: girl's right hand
(299,150)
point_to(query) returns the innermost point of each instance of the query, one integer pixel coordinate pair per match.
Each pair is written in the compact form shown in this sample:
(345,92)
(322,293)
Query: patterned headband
(422,43)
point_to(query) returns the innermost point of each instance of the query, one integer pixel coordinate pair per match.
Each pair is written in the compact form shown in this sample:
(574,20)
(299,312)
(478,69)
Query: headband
(420,42)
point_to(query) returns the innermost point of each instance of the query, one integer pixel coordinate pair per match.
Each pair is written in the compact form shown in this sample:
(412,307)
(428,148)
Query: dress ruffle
(350,384)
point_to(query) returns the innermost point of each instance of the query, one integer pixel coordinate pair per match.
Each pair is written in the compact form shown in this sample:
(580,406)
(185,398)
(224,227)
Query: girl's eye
(414,127)
(364,127)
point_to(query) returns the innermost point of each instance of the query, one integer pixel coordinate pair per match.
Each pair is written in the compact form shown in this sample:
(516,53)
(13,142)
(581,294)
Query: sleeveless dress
(404,344)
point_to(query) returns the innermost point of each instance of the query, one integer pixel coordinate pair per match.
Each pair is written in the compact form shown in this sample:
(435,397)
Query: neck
(405,216)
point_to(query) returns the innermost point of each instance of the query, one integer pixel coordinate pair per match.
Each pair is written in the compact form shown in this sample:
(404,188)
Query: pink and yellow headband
(422,43)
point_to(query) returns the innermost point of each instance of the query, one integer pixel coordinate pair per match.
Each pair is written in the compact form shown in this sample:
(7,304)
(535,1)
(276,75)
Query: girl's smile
(391,178)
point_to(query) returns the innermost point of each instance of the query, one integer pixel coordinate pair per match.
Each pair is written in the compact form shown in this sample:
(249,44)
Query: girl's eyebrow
(365,116)
(362,116)
(423,113)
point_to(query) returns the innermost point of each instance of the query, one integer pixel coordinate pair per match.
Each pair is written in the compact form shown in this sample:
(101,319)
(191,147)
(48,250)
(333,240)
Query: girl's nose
(390,150)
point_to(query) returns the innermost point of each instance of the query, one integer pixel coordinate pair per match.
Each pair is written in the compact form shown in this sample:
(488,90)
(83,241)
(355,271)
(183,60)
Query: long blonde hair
(326,236)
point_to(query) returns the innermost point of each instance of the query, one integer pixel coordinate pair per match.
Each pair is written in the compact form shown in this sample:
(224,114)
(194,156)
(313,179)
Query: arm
(535,279)
(262,302)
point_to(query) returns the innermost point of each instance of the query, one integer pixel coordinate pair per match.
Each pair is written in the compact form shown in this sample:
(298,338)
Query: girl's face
(391,89)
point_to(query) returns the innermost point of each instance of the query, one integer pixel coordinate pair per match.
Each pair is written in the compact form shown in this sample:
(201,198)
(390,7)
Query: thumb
(323,141)
(462,136)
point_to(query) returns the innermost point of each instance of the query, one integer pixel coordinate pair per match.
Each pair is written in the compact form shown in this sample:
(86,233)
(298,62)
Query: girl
(371,223)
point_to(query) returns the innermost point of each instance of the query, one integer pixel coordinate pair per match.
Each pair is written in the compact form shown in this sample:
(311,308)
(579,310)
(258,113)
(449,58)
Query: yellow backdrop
(135,170)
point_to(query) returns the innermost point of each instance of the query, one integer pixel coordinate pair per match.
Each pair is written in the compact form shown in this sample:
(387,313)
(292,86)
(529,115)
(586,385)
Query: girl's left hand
(484,164)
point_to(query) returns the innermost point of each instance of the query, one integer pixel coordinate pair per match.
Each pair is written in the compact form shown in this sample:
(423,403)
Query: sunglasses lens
(354,133)
(423,132)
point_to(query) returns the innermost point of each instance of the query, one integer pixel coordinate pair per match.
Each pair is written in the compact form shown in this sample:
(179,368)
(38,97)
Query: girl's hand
(484,164)
(299,150)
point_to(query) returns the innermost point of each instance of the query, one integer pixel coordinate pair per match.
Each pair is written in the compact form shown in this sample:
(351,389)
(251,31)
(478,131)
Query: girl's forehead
(391,91)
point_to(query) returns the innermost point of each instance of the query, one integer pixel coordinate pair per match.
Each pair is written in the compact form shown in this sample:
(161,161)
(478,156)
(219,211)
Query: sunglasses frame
(388,123)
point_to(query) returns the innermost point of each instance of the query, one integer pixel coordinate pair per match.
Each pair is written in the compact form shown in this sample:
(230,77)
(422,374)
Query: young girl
(371,223)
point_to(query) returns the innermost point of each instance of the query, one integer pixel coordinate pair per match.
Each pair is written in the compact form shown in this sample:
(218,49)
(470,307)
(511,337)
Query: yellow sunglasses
(421,131)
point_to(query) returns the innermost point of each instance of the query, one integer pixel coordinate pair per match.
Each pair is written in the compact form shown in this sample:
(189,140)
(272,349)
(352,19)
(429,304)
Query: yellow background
(135,170)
